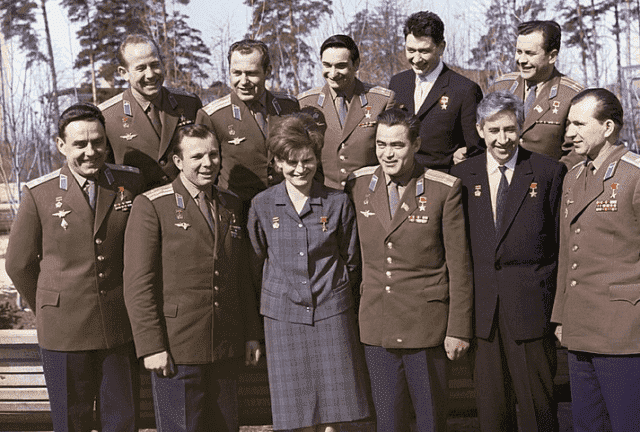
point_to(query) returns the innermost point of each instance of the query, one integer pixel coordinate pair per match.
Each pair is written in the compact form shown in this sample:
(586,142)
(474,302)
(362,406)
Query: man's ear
(480,131)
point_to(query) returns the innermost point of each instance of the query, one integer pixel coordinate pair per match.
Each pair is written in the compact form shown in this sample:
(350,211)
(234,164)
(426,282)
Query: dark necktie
(394,198)
(154,116)
(531,99)
(256,108)
(341,106)
(90,190)
(501,198)
(204,208)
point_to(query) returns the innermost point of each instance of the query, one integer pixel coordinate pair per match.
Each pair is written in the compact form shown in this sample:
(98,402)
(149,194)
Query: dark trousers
(199,398)
(605,392)
(78,378)
(400,377)
(507,372)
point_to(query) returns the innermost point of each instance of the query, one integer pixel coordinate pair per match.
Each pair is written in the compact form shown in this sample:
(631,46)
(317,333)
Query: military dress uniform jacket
(246,163)
(447,116)
(67,262)
(417,283)
(519,263)
(544,127)
(135,142)
(598,297)
(353,146)
(187,289)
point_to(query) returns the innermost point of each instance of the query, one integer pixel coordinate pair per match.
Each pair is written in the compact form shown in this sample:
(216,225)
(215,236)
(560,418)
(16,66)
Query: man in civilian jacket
(141,120)
(65,258)
(190,300)
(417,285)
(513,231)
(444,101)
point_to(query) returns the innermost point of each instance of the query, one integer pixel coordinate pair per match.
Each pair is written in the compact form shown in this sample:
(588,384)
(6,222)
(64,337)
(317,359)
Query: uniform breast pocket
(625,293)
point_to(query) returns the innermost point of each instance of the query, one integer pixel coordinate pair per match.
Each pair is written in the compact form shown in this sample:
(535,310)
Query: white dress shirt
(424,83)
(494,176)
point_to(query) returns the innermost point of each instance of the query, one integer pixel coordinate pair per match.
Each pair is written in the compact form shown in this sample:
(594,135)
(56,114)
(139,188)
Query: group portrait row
(362,237)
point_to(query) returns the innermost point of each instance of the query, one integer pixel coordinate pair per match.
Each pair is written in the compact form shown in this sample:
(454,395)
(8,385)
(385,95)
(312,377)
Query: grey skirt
(317,373)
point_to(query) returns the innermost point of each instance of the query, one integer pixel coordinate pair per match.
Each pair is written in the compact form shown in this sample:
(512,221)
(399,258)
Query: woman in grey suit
(306,249)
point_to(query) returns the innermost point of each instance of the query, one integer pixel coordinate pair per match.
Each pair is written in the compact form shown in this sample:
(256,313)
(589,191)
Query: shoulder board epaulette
(381,91)
(284,95)
(632,158)
(35,182)
(368,170)
(126,168)
(110,102)
(579,164)
(217,105)
(159,192)
(313,91)
(573,85)
(511,76)
(181,92)
(440,177)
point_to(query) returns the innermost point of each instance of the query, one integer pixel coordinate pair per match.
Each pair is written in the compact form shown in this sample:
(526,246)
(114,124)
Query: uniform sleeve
(468,121)
(391,102)
(458,260)
(348,239)
(258,252)
(25,249)
(143,278)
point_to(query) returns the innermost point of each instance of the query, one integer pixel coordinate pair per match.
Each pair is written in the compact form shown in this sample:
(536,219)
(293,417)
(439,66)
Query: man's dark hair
(247,46)
(425,24)
(396,116)
(189,131)
(608,106)
(76,112)
(133,39)
(342,41)
(551,33)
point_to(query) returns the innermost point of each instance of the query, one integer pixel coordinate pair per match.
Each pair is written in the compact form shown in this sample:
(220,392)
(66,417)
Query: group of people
(447,217)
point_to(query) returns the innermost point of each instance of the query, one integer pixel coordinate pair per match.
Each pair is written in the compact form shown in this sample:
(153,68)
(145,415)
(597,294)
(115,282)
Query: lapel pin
(367,112)
(404,206)
(444,100)
(538,108)
(64,224)
(276,222)
(556,105)
(614,188)
(323,221)
(478,190)
(533,190)
(423,203)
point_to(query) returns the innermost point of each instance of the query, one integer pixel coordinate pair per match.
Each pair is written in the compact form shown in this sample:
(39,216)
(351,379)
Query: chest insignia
(367,213)
(323,221)
(58,202)
(423,203)
(609,205)
(418,219)
(183,225)
(404,207)
(538,109)
(128,136)
(61,213)
(444,102)
(533,190)
(126,107)
(556,105)
(367,112)
(478,190)
(276,222)
(614,188)
(126,121)
(237,140)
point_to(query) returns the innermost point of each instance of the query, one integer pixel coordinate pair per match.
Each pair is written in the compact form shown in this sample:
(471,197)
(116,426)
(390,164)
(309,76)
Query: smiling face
(501,133)
(143,70)
(85,146)
(587,133)
(422,53)
(248,79)
(534,63)
(338,69)
(394,150)
(299,170)
(199,162)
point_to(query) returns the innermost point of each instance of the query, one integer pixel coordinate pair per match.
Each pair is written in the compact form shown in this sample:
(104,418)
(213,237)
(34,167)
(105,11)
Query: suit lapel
(380,201)
(328,109)
(481,198)
(75,197)
(105,195)
(169,115)
(356,111)
(409,89)
(197,219)
(221,222)
(542,103)
(247,121)
(146,139)
(520,184)
(436,92)
(407,204)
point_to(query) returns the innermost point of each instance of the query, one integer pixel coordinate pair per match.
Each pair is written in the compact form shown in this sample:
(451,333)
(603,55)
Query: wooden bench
(24,401)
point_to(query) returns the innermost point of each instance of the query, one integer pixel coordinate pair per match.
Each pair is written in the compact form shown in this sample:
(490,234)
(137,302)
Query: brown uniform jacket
(352,147)
(135,142)
(246,167)
(417,281)
(598,295)
(188,290)
(67,262)
(543,129)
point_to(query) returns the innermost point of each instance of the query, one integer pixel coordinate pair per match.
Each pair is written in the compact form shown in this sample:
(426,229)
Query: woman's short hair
(294,133)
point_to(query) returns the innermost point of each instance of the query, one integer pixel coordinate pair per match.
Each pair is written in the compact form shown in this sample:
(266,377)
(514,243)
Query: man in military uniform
(350,108)
(596,303)
(141,121)
(241,121)
(417,287)
(65,258)
(545,91)
(444,101)
(190,300)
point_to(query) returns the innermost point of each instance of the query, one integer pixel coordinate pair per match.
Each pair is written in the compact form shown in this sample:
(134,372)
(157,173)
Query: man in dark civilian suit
(241,121)
(350,108)
(444,101)
(417,286)
(141,121)
(190,301)
(597,303)
(65,258)
(512,198)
